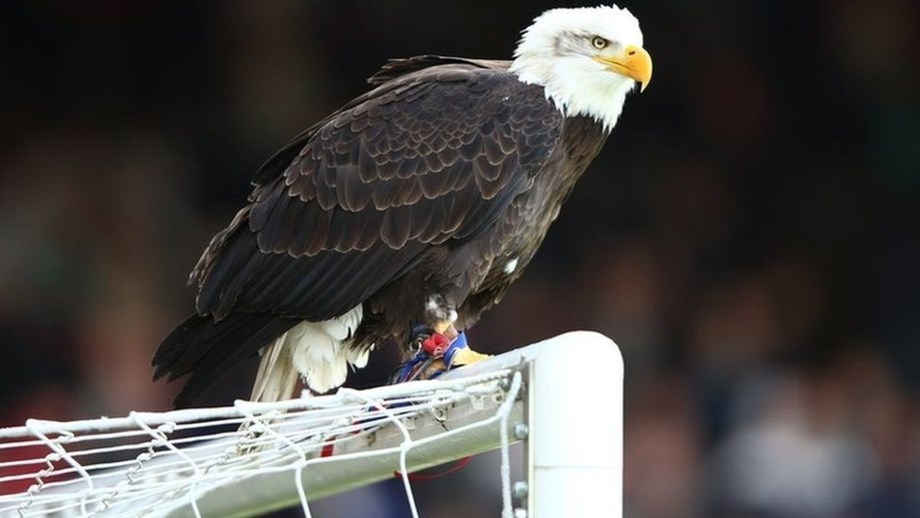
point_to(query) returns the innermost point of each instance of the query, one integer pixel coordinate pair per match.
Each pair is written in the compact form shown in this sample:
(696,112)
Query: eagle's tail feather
(207,348)
(277,377)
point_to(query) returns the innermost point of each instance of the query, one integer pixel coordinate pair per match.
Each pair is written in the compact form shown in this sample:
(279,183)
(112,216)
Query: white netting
(150,464)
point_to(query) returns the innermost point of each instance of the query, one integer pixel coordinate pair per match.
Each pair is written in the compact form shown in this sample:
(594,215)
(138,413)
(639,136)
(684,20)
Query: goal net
(563,397)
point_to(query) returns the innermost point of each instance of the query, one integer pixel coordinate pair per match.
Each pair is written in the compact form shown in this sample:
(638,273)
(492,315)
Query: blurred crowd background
(749,236)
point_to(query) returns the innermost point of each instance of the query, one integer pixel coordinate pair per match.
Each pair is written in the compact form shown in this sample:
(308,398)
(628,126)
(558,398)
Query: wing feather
(430,157)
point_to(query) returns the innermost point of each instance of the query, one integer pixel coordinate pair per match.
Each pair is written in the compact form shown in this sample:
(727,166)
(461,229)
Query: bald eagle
(413,207)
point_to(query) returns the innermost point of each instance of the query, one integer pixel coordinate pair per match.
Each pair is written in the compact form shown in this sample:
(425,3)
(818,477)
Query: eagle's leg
(442,313)
(438,348)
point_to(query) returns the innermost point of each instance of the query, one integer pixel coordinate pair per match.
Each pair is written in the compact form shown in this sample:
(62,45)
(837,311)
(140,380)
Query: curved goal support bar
(574,423)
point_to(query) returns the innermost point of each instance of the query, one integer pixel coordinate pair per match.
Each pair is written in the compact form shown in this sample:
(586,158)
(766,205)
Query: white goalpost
(563,397)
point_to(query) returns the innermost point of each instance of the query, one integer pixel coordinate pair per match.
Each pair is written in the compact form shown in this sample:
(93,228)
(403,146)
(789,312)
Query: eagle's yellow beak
(634,62)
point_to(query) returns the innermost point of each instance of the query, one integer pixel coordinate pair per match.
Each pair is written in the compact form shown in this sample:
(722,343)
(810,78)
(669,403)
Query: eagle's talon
(437,355)
(420,333)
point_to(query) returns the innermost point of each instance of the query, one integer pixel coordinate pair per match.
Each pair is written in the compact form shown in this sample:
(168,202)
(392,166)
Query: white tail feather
(276,378)
(319,352)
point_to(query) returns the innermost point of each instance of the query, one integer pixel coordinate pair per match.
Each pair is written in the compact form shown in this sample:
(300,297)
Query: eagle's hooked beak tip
(638,64)
(635,63)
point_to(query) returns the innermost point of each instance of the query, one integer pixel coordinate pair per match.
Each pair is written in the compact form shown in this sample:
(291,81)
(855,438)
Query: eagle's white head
(586,58)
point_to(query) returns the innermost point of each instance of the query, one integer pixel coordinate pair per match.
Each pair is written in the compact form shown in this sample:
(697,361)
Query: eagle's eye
(599,43)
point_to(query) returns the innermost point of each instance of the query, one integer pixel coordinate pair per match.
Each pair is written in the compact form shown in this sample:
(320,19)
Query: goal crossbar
(562,396)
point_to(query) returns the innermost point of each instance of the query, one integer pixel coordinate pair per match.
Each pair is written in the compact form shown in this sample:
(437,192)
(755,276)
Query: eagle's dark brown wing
(430,157)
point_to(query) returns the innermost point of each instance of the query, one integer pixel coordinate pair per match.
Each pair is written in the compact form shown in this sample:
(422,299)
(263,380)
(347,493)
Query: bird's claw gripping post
(436,355)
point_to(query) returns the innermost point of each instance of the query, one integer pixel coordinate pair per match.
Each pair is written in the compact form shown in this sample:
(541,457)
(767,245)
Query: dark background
(748,236)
